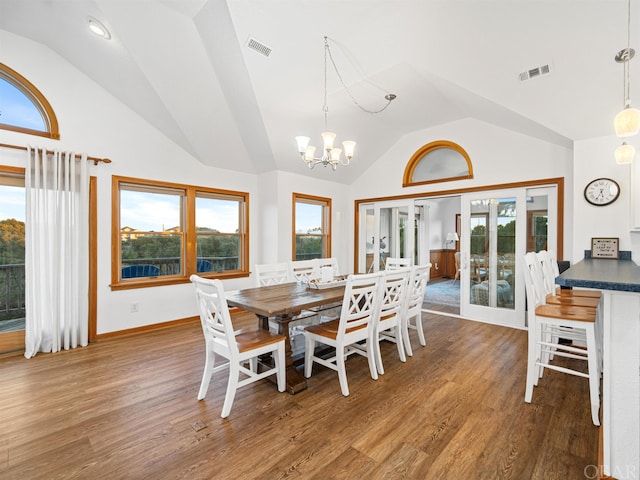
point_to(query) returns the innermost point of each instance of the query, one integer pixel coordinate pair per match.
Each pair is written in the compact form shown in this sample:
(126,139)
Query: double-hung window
(164,232)
(311,227)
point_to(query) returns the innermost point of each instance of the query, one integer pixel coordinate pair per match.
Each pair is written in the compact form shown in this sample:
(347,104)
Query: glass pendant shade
(627,122)
(302,142)
(309,153)
(624,154)
(335,155)
(328,138)
(349,147)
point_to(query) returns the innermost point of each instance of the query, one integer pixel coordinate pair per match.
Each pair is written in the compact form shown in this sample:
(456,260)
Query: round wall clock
(601,192)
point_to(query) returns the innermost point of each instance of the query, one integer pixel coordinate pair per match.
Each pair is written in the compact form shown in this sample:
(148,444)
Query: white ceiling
(184,66)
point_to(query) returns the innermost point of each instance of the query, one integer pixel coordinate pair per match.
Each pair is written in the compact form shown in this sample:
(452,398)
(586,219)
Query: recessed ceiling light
(98,28)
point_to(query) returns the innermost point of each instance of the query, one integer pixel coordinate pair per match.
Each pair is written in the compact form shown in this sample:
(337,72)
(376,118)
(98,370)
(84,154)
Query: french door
(388,229)
(493,233)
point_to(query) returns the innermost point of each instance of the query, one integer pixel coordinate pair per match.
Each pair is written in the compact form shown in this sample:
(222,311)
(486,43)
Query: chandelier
(331,155)
(627,122)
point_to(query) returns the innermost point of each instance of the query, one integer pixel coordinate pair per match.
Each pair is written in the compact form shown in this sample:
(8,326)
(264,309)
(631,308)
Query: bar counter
(619,281)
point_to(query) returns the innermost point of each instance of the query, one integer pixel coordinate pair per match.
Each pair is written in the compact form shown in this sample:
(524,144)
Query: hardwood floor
(126,408)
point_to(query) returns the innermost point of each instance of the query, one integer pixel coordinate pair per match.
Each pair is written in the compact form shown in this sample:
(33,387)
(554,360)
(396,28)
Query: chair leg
(399,343)
(206,375)
(418,319)
(371,359)
(406,324)
(594,376)
(375,345)
(232,386)
(281,374)
(342,370)
(309,347)
(532,369)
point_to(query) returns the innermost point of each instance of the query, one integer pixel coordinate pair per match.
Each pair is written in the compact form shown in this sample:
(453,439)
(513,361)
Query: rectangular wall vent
(259,47)
(534,72)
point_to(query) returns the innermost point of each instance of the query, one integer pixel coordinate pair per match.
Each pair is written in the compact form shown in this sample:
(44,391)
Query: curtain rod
(95,160)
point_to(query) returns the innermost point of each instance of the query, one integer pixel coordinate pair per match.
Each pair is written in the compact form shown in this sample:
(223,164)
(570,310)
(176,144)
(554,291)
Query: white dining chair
(393,263)
(353,332)
(389,324)
(272,274)
(547,322)
(329,262)
(239,348)
(304,270)
(412,315)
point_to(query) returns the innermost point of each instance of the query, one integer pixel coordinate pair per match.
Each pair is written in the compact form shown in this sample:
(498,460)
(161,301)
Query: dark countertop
(602,274)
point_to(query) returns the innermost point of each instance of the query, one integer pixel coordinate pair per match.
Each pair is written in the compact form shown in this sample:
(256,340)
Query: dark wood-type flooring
(126,408)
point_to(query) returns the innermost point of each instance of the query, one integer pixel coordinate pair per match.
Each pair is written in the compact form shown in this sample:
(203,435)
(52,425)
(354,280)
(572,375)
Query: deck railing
(12,279)
(171,265)
(11,291)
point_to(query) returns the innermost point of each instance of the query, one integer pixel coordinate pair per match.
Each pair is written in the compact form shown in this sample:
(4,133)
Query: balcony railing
(11,291)
(172,265)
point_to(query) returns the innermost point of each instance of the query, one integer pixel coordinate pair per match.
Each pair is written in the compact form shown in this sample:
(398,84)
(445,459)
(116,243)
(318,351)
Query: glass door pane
(493,227)
(12,272)
(387,229)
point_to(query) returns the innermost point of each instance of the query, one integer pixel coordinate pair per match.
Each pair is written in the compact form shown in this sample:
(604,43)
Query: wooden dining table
(282,304)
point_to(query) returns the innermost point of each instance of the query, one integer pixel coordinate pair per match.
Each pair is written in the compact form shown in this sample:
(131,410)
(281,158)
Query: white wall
(594,158)
(93,121)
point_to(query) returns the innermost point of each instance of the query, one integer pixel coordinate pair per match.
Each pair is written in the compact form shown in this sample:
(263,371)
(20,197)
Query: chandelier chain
(388,97)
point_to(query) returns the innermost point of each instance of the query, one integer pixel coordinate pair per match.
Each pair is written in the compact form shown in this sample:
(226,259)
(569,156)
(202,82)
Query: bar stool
(547,322)
(551,271)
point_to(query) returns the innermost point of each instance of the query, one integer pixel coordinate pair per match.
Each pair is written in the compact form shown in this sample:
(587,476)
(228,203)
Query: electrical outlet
(133,308)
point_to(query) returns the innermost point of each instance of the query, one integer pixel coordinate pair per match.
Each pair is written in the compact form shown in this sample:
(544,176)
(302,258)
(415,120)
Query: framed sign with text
(604,248)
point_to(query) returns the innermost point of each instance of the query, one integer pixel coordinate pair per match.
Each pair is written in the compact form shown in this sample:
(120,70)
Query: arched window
(439,161)
(23,108)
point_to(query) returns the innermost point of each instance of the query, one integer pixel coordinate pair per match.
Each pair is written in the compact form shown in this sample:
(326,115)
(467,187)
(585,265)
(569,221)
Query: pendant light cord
(327,52)
(626,63)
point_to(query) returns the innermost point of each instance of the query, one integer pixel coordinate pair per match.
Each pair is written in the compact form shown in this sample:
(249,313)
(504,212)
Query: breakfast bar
(619,281)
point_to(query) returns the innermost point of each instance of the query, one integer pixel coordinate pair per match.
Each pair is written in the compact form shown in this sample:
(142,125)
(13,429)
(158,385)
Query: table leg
(295,382)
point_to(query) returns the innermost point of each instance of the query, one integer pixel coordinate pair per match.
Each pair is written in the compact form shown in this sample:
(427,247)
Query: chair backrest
(360,305)
(456,256)
(395,263)
(203,265)
(214,316)
(329,262)
(547,262)
(534,288)
(418,280)
(272,274)
(138,271)
(395,289)
(304,270)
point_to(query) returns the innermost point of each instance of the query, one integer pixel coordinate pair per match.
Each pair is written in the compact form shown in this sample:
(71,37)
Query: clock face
(601,191)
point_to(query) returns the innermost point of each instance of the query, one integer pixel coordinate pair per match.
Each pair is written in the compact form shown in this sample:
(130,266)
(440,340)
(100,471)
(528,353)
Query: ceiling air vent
(535,72)
(259,47)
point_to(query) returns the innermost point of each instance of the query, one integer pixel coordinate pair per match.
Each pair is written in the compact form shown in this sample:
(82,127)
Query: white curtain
(57,253)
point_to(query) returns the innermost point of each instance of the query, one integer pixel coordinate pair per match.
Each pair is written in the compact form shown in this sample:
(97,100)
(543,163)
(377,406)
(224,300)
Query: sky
(140,212)
(17,109)
(12,203)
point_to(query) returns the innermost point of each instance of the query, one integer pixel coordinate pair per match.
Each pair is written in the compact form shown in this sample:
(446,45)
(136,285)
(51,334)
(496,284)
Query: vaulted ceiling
(184,66)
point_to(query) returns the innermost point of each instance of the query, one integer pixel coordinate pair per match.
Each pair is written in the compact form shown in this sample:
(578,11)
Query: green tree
(12,233)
